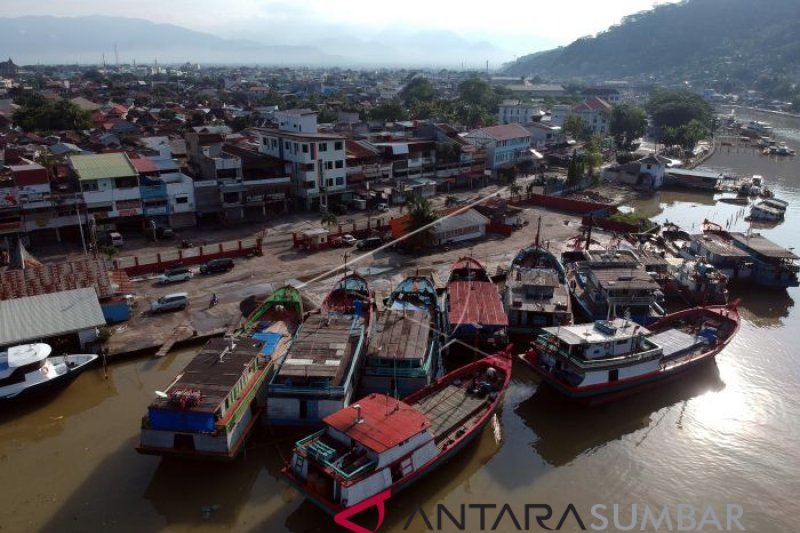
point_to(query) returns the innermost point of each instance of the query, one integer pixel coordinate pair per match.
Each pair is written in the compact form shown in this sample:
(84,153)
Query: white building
(297,120)
(514,111)
(461,227)
(314,161)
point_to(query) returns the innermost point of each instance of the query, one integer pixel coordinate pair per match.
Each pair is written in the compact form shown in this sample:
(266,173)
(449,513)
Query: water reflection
(187,492)
(41,417)
(567,430)
(764,308)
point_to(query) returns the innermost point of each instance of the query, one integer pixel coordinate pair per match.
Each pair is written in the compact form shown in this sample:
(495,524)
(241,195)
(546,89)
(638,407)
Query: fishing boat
(606,360)
(275,322)
(536,293)
(764,212)
(700,283)
(319,373)
(473,309)
(383,443)
(29,369)
(211,407)
(403,354)
(607,283)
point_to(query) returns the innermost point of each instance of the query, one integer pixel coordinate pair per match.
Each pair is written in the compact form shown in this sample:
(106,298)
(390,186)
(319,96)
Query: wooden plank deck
(179,334)
(400,335)
(449,409)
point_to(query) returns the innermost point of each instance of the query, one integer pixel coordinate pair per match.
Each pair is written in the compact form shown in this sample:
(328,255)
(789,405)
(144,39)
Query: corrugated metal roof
(99,166)
(36,317)
(463,220)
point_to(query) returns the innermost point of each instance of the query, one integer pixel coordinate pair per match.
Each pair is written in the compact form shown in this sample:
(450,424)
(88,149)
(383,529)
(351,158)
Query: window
(89,186)
(295,147)
(286,144)
(264,141)
(323,147)
(339,181)
(274,143)
(181,199)
(337,145)
(340,164)
(307,167)
(311,185)
(328,165)
(329,182)
(305,148)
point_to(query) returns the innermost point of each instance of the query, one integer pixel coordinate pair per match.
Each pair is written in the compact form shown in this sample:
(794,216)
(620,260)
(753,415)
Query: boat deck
(523,295)
(322,350)
(450,408)
(213,373)
(675,342)
(400,335)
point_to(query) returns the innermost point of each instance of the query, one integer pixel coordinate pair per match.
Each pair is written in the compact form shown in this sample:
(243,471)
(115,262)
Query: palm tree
(329,219)
(421,216)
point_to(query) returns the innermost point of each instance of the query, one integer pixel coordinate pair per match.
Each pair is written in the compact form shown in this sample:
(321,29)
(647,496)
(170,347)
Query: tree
(690,134)
(678,108)
(575,127)
(477,92)
(391,111)
(38,114)
(419,227)
(329,219)
(417,90)
(628,123)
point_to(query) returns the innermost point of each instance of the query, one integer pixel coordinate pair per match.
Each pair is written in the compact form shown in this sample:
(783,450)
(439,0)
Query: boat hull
(669,369)
(52,384)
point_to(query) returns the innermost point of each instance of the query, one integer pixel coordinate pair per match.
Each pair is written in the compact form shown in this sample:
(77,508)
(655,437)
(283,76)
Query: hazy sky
(518,26)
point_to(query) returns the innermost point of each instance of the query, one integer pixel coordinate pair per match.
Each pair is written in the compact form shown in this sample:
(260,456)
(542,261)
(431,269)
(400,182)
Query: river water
(728,435)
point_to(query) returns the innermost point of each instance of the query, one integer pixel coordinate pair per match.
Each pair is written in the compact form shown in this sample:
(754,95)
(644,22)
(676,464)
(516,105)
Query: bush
(625,157)
(634,219)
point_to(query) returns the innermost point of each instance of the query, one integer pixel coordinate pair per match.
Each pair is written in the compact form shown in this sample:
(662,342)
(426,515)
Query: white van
(170,302)
(116,239)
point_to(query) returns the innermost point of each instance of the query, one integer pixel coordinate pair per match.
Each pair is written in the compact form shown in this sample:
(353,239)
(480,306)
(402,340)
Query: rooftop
(475,303)
(591,334)
(382,424)
(100,166)
(46,315)
(763,246)
(400,335)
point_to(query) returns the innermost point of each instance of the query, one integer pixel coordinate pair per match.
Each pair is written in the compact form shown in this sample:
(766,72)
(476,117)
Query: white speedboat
(28,368)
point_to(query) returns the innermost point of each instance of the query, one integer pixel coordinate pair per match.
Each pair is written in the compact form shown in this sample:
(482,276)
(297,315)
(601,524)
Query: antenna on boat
(358,420)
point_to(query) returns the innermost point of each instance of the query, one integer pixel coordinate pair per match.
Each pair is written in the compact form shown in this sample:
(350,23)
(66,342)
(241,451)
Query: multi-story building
(167,193)
(595,113)
(109,185)
(507,146)
(217,177)
(517,112)
(315,161)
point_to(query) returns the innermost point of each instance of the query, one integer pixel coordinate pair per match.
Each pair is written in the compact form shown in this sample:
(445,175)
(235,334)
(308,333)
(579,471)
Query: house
(515,111)
(651,171)
(595,113)
(544,133)
(507,146)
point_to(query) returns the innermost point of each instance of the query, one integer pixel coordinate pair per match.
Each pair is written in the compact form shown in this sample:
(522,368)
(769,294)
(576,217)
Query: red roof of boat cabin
(385,422)
(467,262)
(475,302)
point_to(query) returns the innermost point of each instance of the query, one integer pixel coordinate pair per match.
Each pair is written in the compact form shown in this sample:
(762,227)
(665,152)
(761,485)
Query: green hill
(735,43)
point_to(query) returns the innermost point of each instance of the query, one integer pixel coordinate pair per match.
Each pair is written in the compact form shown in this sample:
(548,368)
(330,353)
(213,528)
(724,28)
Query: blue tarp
(270,340)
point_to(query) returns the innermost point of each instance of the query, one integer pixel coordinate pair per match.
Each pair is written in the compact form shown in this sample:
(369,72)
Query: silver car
(170,302)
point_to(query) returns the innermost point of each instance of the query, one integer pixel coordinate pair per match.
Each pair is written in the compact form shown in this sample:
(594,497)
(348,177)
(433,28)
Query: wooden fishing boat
(403,353)
(536,293)
(275,322)
(473,309)
(606,360)
(319,374)
(211,407)
(382,443)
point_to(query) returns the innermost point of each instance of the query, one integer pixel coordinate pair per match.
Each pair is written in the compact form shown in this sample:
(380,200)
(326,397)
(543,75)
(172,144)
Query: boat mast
(538,230)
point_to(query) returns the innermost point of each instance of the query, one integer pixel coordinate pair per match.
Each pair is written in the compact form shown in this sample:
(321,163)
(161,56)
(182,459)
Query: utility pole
(116,56)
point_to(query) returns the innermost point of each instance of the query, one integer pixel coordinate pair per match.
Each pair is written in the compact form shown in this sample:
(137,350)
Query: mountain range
(87,39)
(737,40)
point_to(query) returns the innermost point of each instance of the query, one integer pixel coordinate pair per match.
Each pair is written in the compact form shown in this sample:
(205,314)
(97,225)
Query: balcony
(132,193)
(153,192)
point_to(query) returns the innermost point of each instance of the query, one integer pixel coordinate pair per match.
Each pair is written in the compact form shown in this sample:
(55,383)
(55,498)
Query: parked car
(382,207)
(115,239)
(223,264)
(348,239)
(161,232)
(170,302)
(175,274)
(369,243)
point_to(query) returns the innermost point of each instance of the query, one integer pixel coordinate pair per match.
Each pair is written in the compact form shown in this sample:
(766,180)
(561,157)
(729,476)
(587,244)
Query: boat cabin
(364,449)
(20,360)
(602,339)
